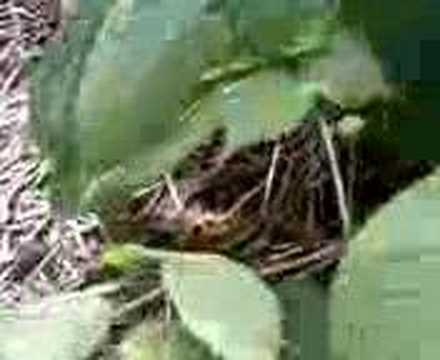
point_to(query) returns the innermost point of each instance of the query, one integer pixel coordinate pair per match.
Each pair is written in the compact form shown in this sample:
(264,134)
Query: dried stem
(173,192)
(337,177)
(147,298)
(271,175)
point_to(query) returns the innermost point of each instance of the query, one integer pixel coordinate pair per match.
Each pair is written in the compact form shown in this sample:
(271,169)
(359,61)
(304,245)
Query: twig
(140,301)
(146,210)
(6,254)
(146,190)
(242,200)
(351,179)
(289,252)
(271,175)
(173,192)
(42,263)
(322,257)
(4,283)
(284,187)
(167,322)
(337,178)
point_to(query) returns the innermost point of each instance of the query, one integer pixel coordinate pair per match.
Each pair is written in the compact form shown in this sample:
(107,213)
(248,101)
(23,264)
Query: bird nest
(272,205)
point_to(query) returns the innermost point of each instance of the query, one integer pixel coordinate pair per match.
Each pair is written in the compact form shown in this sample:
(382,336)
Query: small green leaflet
(123,258)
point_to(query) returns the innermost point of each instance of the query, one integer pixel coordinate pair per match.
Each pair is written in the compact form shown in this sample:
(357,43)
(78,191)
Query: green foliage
(349,73)
(98,102)
(259,107)
(135,123)
(138,81)
(123,258)
(383,302)
(65,327)
(204,289)
(142,82)
(266,28)
(381,305)
(111,103)
(154,341)
(55,86)
(305,305)
(404,36)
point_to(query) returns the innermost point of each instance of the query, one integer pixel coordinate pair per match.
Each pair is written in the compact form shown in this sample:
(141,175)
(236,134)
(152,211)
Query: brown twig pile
(272,205)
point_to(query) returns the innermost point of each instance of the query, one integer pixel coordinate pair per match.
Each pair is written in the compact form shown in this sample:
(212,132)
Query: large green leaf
(349,72)
(138,80)
(154,340)
(55,87)
(223,303)
(259,107)
(116,92)
(384,300)
(267,27)
(65,327)
(305,303)
(107,101)
(140,113)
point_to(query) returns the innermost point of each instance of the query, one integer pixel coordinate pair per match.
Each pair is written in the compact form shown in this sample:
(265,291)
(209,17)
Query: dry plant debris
(272,205)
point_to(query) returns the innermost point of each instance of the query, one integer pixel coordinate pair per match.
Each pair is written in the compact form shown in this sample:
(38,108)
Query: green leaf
(265,28)
(312,37)
(154,340)
(140,79)
(116,94)
(67,327)
(306,326)
(259,107)
(116,185)
(349,73)
(125,87)
(124,257)
(384,300)
(55,83)
(223,303)
(117,91)
(204,289)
